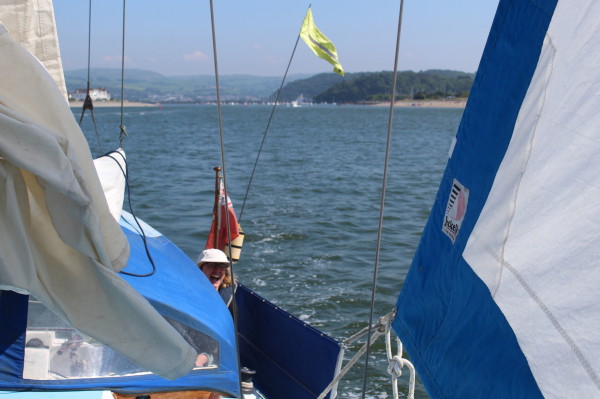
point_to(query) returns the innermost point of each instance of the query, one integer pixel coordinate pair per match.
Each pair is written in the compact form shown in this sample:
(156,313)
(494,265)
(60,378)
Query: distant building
(96,94)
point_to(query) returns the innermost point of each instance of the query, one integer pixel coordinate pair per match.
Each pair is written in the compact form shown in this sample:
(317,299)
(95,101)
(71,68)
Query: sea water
(311,214)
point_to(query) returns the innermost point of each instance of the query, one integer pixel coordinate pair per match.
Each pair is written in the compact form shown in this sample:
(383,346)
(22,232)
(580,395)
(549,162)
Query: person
(215,266)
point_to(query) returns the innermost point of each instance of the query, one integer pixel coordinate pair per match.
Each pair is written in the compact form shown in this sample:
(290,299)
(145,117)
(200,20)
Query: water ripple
(311,218)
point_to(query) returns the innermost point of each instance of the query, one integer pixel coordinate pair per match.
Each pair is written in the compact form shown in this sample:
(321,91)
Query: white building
(96,94)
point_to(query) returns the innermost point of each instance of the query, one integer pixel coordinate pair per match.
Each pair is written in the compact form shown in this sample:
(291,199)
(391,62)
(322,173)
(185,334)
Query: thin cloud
(195,56)
(273,60)
(111,59)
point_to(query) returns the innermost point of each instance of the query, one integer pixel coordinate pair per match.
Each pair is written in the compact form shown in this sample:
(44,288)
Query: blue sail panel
(458,336)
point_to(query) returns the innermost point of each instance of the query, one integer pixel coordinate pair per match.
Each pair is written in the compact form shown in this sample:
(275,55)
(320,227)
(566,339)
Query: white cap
(212,255)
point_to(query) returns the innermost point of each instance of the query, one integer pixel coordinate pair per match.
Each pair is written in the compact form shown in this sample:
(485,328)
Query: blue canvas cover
(177,289)
(292,360)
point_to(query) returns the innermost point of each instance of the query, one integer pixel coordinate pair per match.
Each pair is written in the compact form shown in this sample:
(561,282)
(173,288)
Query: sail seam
(506,265)
(555,323)
(524,169)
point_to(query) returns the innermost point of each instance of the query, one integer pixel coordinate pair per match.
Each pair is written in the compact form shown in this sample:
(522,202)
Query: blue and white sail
(502,297)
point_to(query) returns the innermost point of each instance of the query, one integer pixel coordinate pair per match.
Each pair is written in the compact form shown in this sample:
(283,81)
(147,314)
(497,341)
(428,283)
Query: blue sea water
(312,212)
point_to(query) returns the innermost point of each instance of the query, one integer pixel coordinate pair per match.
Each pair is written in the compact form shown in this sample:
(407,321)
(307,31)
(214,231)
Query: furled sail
(502,297)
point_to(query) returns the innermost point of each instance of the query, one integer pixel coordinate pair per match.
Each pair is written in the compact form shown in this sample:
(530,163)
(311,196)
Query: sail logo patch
(455,210)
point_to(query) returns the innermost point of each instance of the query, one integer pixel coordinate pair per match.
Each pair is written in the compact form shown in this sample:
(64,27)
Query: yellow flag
(319,43)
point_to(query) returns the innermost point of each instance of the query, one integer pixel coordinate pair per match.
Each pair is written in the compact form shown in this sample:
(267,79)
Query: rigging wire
(87,103)
(224,175)
(382,204)
(123,132)
(268,125)
(122,135)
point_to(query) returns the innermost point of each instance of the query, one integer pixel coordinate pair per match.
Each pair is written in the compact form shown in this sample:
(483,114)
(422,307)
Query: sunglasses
(210,264)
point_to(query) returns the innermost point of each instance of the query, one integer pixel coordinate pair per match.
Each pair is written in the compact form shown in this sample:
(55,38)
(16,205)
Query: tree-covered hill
(310,87)
(409,84)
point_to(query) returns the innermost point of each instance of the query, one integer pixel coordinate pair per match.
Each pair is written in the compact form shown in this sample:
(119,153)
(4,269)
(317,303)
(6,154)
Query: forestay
(502,297)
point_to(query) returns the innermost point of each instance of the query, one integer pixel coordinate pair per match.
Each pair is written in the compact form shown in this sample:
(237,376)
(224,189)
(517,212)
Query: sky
(173,37)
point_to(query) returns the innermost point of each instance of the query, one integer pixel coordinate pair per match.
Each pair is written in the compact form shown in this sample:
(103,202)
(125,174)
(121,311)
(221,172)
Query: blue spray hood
(180,293)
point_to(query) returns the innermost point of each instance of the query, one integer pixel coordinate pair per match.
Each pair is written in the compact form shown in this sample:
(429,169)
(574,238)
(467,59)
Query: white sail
(31,23)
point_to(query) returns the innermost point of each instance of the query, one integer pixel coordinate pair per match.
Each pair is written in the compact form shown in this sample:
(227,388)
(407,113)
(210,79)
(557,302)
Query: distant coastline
(459,103)
(117,103)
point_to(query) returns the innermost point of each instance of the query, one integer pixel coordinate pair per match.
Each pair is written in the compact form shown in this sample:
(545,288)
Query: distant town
(96,94)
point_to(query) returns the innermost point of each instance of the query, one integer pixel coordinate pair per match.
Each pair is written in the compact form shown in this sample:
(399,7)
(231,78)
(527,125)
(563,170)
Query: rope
(396,363)
(268,125)
(224,175)
(87,103)
(383,190)
(372,338)
(349,365)
(142,234)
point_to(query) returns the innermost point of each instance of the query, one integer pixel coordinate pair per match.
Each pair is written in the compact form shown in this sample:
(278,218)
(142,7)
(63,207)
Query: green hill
(376,86)
(309,87)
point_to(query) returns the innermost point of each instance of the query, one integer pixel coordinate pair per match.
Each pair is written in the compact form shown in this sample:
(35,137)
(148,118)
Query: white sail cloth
(58,240)
(31,23)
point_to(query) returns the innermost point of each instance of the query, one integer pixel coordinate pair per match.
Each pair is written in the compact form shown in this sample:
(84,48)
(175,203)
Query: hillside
(147,86)
(309,87)
(373,87)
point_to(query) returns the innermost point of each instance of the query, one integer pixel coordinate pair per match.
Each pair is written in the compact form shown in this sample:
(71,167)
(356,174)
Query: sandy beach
(106,104)
(459,103)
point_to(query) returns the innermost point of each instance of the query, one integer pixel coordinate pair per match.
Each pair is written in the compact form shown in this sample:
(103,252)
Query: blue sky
(173,37)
